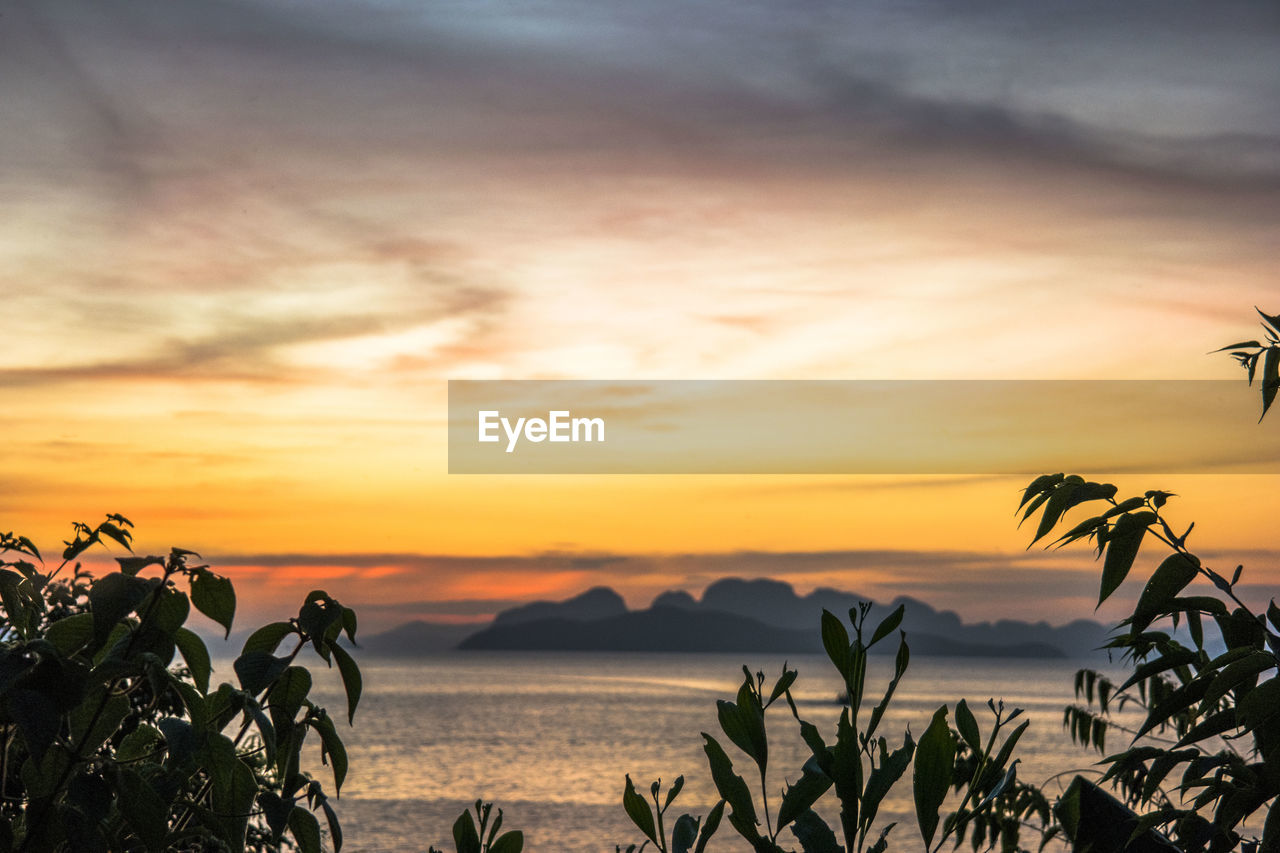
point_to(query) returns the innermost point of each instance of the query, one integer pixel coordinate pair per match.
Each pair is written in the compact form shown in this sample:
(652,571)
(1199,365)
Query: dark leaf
(508,842)
(214,596)
(814,835)
(196,655)
(351,681)
(731,786)
(1270,378)
(465,837)
(934,764)
(257,670)
(1122,550)
(267,638)
(710,826)
(888,626)
(1169,579)
(835,639)
(968,727)
(684,834)
(638,810)
(305,830)
(113,597)
(133,565)
(801,795)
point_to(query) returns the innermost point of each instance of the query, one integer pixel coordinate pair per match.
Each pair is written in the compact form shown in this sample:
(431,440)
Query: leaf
(349,623)
(1170,578)
(267,638)
(1010,742)
(113,597)
(233,790)
(901,662)
(268,732)
(1270,378)
(710,826)
(731,786)
(847,773)
(814,835)
(835,639)
(142,741)
(783,684)
(934,764)
(71,633)
(305,830)
(508,842)
(684,834)
(1236,674)
(133,565)
(196,655)
(1122,549)
(1000,786)
(351,680)
(1272,320)
(673,792)
(286,698)
(638,810)
(26,545)
(276,811)
(169,610)
(464,834)
(1241,345)
(882,779)
(119,535)
(801,795)
(257,670)
(214,596)
(887,627)
(968,727)
(335,828)
(318,614)
(1039,485)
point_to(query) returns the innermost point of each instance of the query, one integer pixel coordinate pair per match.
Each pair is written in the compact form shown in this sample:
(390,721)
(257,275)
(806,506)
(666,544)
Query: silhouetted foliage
(109,743)
(1209,743)
(858,766)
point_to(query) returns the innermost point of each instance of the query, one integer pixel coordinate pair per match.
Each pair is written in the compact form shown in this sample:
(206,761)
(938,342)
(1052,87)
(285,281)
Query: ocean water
(548,738)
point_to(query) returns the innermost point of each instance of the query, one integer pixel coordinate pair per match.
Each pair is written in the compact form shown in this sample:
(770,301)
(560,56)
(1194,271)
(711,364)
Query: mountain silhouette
(733,614)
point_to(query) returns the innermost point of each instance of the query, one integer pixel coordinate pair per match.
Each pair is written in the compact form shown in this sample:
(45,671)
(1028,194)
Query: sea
(549,737)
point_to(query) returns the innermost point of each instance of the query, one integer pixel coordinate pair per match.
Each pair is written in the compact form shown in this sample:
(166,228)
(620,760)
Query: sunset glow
(246,247)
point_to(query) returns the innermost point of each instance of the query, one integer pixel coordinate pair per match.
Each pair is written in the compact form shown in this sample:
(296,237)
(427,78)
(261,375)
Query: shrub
(109,743)
(1211,705)
(858,767)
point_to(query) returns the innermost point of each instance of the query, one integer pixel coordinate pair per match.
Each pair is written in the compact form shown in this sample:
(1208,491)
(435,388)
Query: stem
(662,833)
(764,798)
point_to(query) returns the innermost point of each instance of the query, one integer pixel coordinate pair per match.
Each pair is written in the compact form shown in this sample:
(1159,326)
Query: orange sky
(245,251)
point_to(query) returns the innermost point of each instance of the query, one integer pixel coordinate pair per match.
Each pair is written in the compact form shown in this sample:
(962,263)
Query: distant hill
(596,603)
(776,603)
(733,615)
(416,638)
(681,629)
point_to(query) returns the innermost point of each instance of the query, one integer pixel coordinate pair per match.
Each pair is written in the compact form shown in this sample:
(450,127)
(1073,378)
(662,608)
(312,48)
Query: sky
(245,245)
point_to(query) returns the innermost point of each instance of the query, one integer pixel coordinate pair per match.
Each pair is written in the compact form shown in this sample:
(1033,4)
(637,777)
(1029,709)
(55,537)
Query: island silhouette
(732,615)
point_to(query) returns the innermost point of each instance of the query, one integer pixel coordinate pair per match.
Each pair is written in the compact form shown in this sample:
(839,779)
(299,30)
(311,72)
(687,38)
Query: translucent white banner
(858,427)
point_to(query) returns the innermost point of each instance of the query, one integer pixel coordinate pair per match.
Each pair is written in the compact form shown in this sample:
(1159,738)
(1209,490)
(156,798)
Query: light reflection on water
(549,736)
